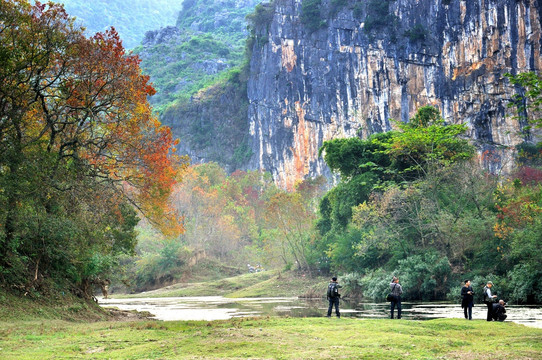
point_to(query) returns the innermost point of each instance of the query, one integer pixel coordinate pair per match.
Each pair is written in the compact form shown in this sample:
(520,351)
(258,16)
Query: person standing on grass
(467,301)
(396,291)
(333,296)
(488,300)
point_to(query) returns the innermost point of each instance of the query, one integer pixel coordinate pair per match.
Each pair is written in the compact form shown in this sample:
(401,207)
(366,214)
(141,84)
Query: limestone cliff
(340,80)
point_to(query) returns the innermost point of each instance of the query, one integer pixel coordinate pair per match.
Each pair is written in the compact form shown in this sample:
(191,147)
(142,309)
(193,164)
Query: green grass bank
(270,338)
(17,308)
(272,283)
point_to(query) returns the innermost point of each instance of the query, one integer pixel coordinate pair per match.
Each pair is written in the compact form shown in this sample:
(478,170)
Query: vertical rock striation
(343,81)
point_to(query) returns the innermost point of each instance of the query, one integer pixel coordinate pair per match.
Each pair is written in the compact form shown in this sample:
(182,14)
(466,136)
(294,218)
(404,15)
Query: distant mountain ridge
(131,18)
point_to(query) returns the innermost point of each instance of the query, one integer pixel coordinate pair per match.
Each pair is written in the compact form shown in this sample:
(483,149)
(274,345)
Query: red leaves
(86,99)
(517,207)
(529,175)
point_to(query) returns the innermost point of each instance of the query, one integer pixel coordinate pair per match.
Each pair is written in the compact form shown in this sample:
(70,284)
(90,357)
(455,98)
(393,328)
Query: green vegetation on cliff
(200,71)
(226,17)
(214,122)
(207,42)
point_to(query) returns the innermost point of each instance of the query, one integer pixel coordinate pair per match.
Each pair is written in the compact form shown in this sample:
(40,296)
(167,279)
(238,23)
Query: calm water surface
(220,308)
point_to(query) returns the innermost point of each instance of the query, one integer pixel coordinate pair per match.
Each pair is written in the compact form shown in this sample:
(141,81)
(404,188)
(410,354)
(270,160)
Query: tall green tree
(397,198)
(385,159)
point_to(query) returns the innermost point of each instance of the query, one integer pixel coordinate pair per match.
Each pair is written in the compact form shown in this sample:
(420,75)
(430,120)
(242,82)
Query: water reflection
(220,308)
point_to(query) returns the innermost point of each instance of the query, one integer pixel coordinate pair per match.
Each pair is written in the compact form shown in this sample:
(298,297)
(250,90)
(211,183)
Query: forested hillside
(417,204)
(131,18)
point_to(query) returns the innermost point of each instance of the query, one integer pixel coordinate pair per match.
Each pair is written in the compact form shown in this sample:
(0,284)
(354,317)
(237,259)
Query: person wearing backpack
(333,296)
(396,291)
(488,300)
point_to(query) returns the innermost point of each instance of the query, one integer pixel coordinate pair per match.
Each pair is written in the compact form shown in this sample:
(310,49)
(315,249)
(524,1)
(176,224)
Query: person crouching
(499,311)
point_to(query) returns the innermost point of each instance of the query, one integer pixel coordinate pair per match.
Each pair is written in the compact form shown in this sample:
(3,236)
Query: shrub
(337,5)
(529,176)
(416,33)
(259,21)
(358,9)
(156,269)
(262,15)
(311,15)
(242,153)
(353,283)
(378,15)
(526,285)
(376,285)
(529,153)
(424,277)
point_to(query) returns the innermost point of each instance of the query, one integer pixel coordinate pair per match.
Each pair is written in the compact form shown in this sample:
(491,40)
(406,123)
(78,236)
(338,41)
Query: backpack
(332,290)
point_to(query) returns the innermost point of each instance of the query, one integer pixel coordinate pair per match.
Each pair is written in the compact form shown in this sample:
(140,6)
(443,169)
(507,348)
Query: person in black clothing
(396,291)
(467,301)
(333,296)
(499,311)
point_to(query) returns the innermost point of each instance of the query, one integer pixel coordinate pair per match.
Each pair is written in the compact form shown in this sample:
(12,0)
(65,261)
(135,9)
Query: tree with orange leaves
(79,148)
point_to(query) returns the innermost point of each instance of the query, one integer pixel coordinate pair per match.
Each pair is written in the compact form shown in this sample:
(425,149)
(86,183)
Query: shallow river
(220,308)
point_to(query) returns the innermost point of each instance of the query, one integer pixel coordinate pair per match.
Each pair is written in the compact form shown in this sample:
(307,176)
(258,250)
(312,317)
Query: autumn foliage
(79,149)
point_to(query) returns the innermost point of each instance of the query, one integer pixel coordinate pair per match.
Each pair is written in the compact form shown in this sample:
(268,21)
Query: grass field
(270,338)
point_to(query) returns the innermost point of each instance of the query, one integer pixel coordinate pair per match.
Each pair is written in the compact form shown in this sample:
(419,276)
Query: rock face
(306,87)
(161,36)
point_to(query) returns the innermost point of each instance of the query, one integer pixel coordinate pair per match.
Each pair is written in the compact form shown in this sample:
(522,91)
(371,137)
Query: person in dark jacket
(499,311)
(333,296)
(396,291)
(467,299)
